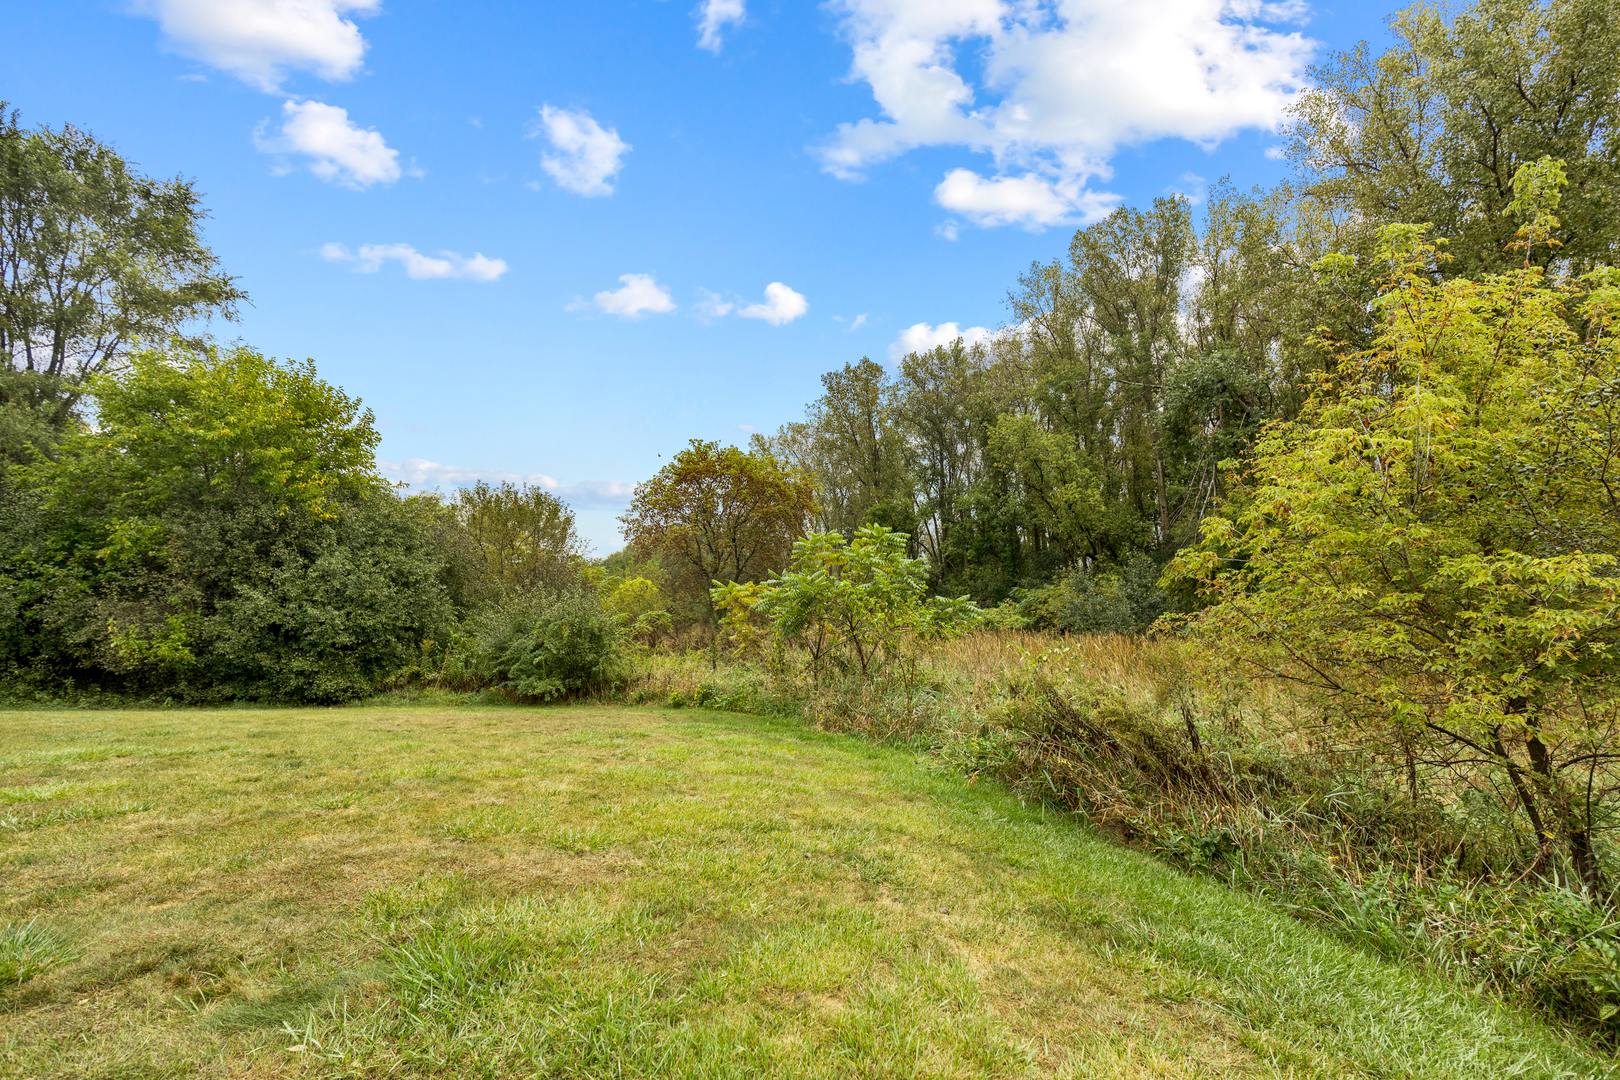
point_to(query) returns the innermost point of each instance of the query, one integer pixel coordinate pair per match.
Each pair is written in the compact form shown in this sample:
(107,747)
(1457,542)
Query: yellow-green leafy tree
(1430,548)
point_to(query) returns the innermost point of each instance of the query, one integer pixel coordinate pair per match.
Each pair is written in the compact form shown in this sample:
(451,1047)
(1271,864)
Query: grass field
(590,892)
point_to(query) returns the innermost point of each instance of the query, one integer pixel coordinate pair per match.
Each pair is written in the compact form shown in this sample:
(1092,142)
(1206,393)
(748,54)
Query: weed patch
(28,951)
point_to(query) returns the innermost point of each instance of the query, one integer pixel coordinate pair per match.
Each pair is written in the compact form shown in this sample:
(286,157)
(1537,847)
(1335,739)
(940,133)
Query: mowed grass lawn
(592,892)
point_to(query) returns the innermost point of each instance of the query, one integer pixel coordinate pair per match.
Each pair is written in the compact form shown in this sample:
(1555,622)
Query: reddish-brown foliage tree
(719,514)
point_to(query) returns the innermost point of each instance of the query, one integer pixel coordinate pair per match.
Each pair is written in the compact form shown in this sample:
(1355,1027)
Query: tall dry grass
(1155,742)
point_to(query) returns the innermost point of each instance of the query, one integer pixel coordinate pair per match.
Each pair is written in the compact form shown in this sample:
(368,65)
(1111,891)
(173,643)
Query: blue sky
(553,241)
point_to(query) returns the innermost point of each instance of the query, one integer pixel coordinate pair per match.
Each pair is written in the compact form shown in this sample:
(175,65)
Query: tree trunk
(1577,833)
(1164,498)
(1526,798)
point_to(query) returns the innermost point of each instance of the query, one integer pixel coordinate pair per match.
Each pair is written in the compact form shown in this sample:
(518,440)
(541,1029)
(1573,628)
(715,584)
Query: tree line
(1086,442)
(1049,474)
(189,521)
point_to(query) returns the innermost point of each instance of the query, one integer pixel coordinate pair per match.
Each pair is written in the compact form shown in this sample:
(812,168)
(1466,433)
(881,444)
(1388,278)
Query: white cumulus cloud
(782,305)
(713,16)
(638,295)
(921,337)
(587,156)
(447,264)
(1028,200)
(339,150)
(1061,86)
(259,41)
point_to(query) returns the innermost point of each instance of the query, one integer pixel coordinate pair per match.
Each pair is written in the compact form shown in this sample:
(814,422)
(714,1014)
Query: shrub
(1123,599)
(545,645)
(855,602)
(218,534)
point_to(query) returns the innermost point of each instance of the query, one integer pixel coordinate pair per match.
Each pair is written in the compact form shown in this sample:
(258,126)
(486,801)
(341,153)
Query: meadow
(612,891)
(1214,671)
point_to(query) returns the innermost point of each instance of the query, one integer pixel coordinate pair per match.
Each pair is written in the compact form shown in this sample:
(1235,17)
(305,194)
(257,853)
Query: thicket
(220,533)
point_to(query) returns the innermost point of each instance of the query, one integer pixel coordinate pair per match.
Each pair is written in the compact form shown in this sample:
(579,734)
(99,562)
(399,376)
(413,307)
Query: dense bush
(1123,599)
(218,534)
(542,645)
(1335,841)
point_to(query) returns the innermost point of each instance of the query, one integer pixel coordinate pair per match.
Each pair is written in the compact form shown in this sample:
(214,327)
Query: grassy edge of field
(1188,953)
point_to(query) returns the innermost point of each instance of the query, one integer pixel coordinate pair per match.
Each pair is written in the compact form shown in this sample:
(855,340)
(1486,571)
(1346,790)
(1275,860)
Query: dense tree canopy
(1435,129)
(516,539)
(218,532)
(95,258)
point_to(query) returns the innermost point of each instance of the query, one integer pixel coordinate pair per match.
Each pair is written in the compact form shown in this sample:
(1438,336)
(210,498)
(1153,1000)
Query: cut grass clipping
(588,892)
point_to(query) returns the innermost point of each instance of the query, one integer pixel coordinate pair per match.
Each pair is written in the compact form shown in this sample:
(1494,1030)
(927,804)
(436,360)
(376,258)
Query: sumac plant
(855,602)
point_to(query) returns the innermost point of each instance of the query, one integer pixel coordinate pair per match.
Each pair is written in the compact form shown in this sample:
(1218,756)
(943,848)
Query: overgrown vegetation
(1243,781)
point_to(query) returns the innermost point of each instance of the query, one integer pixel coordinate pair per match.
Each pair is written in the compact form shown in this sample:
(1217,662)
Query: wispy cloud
(447,264)
(431,475)
(1190,186)
(713,16)
(260,41)
(587,157)
(638,295)
(338,150)
(711,306)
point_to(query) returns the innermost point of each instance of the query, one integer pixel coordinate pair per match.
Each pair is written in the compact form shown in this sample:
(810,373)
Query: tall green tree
(851,448)
(940,410)
(94,255)
(1103,330)
(514,539)
(1434,129)
(94,258)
